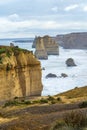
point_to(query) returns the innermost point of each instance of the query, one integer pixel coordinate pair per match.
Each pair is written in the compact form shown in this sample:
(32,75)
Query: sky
(28,18)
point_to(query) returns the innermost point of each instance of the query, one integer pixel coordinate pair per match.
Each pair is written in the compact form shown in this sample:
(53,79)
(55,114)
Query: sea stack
(40,52)
(45,46)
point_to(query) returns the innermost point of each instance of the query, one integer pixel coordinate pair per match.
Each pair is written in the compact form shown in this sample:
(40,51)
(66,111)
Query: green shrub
(0,59)
(53,101)
(83,104)
(2,50)
(11,103)
(27,102)
(43,100)
(36,101)
(58,99)
(50,98)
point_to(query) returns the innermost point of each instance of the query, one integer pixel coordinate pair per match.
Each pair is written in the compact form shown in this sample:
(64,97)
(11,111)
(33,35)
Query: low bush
(50,98)
(27,102)
(75,119)
(43,100)
(58,99)
(83,104)
(2,50)
(11,103)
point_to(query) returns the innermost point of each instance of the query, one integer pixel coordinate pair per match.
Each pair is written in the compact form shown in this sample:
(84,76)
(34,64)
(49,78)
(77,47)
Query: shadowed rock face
(20,73)
(50,75)
(45,46)
(70,62)
(73,40)
(40,52)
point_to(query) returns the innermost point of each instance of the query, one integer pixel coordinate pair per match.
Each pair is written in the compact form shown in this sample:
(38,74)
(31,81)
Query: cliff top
(12,57)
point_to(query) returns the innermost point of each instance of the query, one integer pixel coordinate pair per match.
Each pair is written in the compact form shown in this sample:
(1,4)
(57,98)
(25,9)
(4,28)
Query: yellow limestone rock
(20,73)
(45,46)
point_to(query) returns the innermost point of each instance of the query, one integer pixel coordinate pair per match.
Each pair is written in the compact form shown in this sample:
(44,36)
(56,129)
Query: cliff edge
(20,73)
(73,40)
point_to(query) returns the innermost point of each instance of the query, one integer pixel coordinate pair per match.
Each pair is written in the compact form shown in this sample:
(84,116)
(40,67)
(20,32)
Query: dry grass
(40,116)
(76,92)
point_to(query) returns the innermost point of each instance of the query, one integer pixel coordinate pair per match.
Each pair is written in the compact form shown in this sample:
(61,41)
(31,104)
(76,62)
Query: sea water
(77,76)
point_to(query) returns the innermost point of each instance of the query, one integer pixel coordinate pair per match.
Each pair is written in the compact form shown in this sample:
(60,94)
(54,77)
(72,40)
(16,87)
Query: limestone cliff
(20,73)
(45,46)
(40,52)
(50,45)
(73,40)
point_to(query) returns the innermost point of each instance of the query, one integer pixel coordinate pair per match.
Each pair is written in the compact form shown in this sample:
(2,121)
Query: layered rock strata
(45,46)
(73,40)
(40,52)
(20,73)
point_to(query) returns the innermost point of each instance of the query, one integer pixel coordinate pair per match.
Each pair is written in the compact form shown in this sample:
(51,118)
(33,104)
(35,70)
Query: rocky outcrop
(45,46)
(50,45)
(20,73)
(50,75)
(34,42)
(70,62)
(73,40)
(40,52)
(63,75)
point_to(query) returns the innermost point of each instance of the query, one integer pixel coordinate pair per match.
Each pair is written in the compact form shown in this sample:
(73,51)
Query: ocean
(77,76)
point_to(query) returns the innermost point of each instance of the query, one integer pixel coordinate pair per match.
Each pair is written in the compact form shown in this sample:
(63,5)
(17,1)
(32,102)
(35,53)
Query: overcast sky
(27,18)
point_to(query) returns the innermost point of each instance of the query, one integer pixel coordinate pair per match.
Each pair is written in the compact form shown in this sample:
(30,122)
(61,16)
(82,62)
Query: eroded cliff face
(20,73)
(73,40)
(51,46)
(45,46)
(40,52)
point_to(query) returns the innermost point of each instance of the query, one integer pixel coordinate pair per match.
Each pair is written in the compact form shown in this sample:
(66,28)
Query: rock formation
(40,52)
(45,46)
(34,42)
(73,40)
(20,73)
(50,45)
(70,62)
(12,44)
(64,75)
(50,75)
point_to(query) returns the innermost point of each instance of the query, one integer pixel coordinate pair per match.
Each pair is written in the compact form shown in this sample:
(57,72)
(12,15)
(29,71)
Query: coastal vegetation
(59,112)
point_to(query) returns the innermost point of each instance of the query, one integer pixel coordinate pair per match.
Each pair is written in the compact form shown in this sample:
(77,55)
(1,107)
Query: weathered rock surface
(20,73)
(64,75)
(50,75)
(70,62)
(45,46)
(50,45)
(34,42)
(40,52)
(73,40)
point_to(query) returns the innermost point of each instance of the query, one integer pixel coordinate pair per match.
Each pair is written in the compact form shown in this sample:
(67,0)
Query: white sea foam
(77,76)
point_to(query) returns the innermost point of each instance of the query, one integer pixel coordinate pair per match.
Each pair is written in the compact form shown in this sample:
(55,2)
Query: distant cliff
(45,46)
(73,40)
(20,73)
